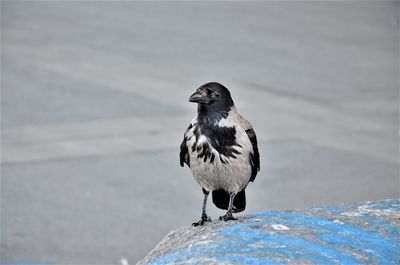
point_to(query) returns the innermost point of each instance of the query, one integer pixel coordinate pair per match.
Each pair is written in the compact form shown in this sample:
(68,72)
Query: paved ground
(94,105)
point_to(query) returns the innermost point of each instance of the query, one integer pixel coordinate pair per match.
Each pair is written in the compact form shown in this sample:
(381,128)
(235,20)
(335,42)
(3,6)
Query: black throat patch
(222,139)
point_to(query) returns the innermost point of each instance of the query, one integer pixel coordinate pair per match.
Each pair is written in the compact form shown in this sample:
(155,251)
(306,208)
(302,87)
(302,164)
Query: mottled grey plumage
(220,147)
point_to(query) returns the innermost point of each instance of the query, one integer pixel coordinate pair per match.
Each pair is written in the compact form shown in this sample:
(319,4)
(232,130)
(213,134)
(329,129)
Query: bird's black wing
(255,156)
(184,153)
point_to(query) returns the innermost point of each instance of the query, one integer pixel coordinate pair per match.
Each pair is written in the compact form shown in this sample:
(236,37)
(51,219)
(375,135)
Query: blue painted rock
(362,233)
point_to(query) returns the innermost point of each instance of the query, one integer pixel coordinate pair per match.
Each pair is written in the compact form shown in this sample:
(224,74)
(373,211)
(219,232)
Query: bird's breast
(219,158)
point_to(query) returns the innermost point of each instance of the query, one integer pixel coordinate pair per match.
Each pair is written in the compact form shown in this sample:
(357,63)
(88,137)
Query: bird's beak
(196,97)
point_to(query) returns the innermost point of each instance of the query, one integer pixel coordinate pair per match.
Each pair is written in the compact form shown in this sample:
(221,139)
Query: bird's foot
(204,218)
(228,216)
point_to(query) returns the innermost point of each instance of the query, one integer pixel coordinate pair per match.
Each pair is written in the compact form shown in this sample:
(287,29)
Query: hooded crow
(220,148)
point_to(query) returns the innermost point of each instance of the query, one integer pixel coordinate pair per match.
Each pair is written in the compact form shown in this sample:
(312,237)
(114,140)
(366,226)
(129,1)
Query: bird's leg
(228,216)
(204,216)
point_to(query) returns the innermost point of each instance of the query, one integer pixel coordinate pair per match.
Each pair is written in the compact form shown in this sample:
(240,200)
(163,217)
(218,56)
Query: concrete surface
(94,106)
(361,233)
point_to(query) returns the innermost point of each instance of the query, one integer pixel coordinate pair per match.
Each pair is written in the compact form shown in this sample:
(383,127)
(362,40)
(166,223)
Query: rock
(360,233)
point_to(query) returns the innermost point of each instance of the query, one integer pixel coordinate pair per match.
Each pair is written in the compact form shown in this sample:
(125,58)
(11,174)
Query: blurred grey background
(94,106)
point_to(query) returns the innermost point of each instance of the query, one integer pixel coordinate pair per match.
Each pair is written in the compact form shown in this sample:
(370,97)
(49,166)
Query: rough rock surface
(361,233)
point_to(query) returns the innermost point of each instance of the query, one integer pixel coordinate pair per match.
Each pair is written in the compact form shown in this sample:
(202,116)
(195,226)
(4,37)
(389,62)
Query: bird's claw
(204,218)
(227,217)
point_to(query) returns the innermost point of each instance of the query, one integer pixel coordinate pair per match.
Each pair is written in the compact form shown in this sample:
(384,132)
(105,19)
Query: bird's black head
(212,97)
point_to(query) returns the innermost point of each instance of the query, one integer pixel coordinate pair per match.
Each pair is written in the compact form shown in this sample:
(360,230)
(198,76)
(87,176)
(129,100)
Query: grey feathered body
(216,162)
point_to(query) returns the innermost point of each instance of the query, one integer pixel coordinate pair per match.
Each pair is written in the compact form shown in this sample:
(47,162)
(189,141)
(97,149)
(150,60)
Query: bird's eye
(216,94)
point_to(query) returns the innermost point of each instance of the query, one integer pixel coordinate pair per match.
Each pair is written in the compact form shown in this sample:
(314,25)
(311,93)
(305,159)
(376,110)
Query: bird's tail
(221,200)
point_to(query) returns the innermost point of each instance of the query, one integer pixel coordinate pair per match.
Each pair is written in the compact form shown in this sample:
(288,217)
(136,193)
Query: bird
(220,148)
